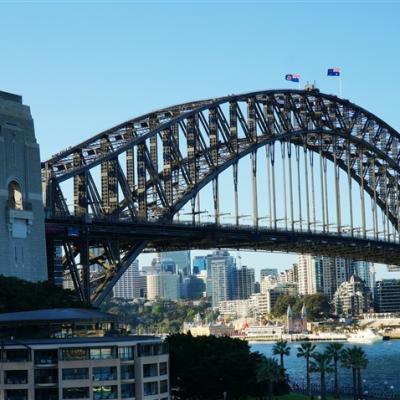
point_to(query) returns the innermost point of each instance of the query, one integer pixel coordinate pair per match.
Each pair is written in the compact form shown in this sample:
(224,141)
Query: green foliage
(317,305)
(281,349)
(19,295)
(203,368)
(162,316)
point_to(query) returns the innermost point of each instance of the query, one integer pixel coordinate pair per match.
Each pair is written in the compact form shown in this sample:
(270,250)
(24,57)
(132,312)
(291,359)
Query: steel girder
(171,154)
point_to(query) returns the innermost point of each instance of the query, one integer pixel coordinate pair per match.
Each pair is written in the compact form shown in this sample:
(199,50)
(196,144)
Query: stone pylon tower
(22,235)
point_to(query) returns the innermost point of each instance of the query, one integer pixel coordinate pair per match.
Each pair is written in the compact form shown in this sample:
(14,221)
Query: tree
(335,352)
(356,359)
(282,303)
(20,295)
(225,364)
(269,372)
(321,363)
(282,349)
(306,350)
(317,305)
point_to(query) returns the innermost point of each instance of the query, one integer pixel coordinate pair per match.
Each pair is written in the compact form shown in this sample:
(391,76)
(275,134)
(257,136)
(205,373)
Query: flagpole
(340,85)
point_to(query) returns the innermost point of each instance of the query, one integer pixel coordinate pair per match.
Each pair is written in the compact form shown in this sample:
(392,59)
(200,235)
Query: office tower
(181,259)
(387,296)
(352,298)
(22,233)
(127,286)
(193,287)
(168,265)
(221,272)
(366,271)
(199,264)
(245,282)
(268,272)
(163,286)
(318,274)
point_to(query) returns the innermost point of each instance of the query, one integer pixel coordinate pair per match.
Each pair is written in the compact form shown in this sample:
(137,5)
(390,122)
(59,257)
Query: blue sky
(86,66)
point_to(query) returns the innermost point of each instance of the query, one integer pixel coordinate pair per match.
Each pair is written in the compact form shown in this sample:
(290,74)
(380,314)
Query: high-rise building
(387,296)
(163,286)
(268,272)
(193,287)
(199,264)
(352,298)
(167,265)
(22,235)
(221,277)
(127,286)
(245,282)
(366,271)
(318,274)
(181,259)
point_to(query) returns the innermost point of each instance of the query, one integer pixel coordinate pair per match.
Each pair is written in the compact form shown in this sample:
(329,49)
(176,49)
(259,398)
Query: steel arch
(357,141)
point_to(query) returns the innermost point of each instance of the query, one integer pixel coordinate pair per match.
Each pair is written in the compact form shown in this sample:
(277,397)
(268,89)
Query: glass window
(76,393)
(105,392)
(46,394)
(74,354)
(101,353)
(125,353)
(46,375)
(16,394)
(18,377)
(152,349)
(127,371)
(69,374)
(104,373)
(46,357)
(127,390)
(150,388)
(164,386)
(18,355)
(150,370)
(163,368)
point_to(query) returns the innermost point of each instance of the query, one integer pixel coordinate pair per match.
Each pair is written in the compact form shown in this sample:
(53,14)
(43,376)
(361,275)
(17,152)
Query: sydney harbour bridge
(278,170)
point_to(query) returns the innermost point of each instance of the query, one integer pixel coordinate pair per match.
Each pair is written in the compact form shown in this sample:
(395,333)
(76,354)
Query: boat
(367,336)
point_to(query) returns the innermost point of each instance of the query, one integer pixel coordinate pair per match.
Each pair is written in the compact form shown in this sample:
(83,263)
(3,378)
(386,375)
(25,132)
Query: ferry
(366,336)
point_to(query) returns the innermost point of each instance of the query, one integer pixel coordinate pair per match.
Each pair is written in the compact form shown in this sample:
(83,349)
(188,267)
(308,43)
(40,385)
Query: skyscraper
(128,287)
(245,282)
(322,274)
(268,272)
(221,277)
(181,259)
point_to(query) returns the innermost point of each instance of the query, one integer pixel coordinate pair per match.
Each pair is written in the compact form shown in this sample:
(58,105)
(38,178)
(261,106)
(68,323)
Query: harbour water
(381,375)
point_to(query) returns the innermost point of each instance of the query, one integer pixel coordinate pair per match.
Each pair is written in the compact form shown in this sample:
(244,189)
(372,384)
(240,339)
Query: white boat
(366,336)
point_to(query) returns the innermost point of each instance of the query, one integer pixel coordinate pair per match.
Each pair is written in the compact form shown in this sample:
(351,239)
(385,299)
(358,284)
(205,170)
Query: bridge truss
(323,179)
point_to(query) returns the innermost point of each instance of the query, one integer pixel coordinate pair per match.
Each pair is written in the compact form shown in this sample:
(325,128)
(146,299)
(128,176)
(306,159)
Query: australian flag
(334,71)
(293,77)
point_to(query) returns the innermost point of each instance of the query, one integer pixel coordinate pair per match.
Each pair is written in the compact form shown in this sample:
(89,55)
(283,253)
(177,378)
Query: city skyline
(75,66)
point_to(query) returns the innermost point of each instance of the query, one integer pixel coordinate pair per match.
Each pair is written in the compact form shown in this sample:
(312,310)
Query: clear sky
(86,66)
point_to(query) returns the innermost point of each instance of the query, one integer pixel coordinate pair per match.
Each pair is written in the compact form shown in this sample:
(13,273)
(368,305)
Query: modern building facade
(387,296)
(245,282)
(67,354)
(22,236)
(181,259)
(163,286)
(221,277)
(268,272)
(352,298)
(128,286)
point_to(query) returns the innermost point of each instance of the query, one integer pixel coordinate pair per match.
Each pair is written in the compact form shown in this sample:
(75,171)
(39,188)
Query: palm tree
(322,363)
(335,351)
(281,349)
(356,359)
(306,350)
(269,371)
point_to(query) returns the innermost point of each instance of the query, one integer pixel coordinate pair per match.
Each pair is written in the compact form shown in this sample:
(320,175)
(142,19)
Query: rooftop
(10,97)
(81,340)
(55,315)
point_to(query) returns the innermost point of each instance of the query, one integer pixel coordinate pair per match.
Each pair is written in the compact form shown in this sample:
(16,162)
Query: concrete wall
(22,234)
